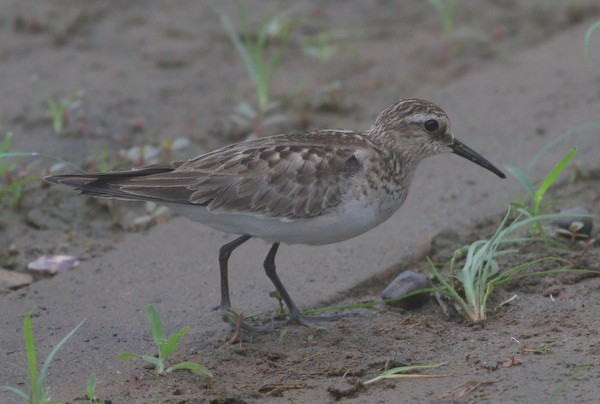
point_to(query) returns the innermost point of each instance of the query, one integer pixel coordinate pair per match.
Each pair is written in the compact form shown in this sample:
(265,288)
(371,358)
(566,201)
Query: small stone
(575,227)
(14,280)
(12,250)
(403,284)
(554,290)
(53,264)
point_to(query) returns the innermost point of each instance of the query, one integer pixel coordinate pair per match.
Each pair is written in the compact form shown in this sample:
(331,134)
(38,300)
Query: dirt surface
(145,73)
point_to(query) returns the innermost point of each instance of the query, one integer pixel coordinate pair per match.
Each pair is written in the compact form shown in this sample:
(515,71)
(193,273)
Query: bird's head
(416,129)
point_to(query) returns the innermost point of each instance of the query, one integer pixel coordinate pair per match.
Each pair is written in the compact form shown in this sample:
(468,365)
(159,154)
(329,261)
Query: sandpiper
(310,188)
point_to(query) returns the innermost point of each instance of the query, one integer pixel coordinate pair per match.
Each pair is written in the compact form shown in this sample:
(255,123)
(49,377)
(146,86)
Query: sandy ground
(155,71)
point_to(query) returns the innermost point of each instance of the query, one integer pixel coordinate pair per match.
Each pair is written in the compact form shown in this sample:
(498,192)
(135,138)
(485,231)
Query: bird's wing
(297,176)
(289,176)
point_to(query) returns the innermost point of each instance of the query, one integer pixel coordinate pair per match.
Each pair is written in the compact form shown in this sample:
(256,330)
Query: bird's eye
(431,125)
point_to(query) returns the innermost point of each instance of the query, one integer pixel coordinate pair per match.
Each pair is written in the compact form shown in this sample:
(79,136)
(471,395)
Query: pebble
(406,282)
(13,279)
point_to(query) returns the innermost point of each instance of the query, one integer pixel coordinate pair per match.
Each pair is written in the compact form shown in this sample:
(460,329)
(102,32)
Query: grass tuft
(260,62)
(587,39)
(90,389)
(166,348)
(37,392)
(535,207)
(57,110)
(481,274)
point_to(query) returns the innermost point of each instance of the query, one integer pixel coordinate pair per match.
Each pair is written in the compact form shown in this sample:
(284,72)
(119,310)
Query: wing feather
(290,176)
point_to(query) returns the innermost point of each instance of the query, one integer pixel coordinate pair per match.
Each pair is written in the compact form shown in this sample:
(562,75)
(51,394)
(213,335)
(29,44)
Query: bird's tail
(107,185)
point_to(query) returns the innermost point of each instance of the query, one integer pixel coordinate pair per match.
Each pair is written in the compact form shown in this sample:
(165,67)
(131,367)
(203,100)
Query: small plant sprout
(588,126)
(153,213)
(445,12)
(535,207)
(260,63)
(587,39)
(38,392)
(57,110)
(11,184)
(326,42)
(481,273)
(394,373)
(166,347)
(555,394)
(90,389)
(281,335)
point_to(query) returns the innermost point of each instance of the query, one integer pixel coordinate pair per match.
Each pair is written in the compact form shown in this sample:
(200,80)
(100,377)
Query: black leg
(295,314)
(224,255)
(270,269)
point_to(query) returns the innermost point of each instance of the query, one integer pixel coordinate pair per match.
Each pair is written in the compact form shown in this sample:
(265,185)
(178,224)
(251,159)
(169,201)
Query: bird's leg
(224,255)
(295,314)
(270,269)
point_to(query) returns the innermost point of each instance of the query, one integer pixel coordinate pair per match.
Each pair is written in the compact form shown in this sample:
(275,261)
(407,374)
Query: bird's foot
(241,327)
(223,306)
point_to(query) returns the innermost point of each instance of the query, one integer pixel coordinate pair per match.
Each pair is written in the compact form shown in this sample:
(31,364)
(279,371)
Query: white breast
(351,219)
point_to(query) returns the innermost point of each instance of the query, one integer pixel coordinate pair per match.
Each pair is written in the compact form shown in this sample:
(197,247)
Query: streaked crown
(412,127)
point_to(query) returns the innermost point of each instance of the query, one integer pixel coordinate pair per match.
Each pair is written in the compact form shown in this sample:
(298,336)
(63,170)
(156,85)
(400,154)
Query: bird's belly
(348,221)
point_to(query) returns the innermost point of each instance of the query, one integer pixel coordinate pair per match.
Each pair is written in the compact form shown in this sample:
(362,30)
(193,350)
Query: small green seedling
(11,185)
(38,392)
(481,273)
(325,43)
(445,11)
(56,109)
(166,347)
(281,335)
(90,389)
(535,207)
(587,39)
(260,63)
(555,394)
(393,373)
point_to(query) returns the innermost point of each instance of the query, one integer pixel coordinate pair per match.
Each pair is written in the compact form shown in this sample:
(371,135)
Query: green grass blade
(551,272)
(564,135)
(50,357)
(30,346)
(127,355)
(156,325)
(244,45)
(90,387)
(196,368)
(587,39)
(47,156)
(579,371)
(153,360)
(15,390)
(393,373)
(449,291)
(551,177)
(510,273)
(169,347)
(240,46)
(372,303)
(6,142)
(540,218)
(522,178)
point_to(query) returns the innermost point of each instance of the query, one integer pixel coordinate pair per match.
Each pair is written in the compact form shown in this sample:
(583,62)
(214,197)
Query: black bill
(463,150)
